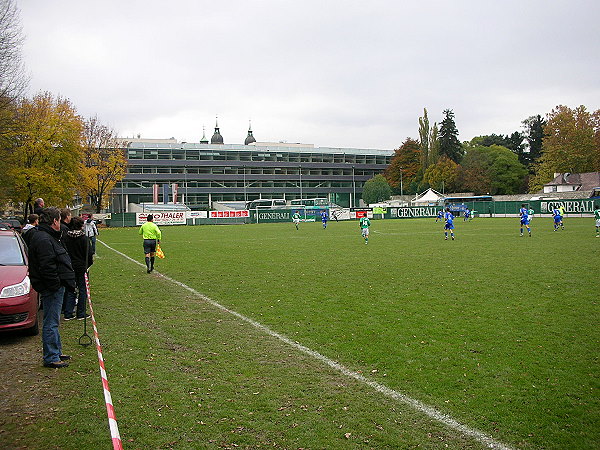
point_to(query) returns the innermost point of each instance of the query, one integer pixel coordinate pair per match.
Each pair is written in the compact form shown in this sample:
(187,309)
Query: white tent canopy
(429,196)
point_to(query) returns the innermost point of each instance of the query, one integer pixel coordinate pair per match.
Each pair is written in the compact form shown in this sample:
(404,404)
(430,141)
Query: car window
(10,251)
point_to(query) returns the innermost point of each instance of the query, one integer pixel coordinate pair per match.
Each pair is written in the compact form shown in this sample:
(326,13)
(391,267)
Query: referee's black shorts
(149,245)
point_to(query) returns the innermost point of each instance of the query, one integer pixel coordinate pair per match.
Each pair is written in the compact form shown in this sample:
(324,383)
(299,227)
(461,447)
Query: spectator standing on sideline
(38,206)
(151,234)
(51,272)
(65,227)
(91,231)
(65,220)
(33,220)
(79,249)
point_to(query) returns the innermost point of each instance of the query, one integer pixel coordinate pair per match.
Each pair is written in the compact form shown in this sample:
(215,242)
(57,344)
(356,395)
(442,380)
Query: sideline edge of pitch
(382,389)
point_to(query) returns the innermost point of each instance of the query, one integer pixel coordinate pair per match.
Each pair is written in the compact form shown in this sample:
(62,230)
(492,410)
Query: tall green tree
(571,144)
(376,190)
(488,140)
(491,170)
(434,144)
(513,142)
(424,139)
(404,166)
(533,133)
(450,146)
(45,155)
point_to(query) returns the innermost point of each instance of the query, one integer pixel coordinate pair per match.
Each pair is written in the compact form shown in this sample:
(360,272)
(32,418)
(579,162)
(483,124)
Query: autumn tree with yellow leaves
(104,162)
(43,153)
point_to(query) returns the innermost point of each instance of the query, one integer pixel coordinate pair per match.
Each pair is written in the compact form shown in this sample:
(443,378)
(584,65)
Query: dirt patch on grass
(25,389)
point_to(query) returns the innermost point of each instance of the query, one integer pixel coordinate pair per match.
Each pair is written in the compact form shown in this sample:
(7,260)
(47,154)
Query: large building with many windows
(217,172)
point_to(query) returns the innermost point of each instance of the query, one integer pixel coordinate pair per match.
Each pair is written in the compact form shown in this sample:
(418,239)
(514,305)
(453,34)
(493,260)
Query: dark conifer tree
(448,138)
(534,135)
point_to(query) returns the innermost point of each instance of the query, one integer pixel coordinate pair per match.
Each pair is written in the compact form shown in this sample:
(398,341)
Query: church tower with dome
(203,140)
(250,138)
(216,138)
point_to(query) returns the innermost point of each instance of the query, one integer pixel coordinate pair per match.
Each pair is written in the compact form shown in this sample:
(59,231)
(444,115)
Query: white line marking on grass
(416,404)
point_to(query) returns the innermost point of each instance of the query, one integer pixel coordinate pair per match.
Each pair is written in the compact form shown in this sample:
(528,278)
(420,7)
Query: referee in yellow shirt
(151,234)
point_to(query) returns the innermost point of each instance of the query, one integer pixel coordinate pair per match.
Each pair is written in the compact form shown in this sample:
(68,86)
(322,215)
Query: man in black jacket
(79,249)
(65,227)
(51,273)
(38,206)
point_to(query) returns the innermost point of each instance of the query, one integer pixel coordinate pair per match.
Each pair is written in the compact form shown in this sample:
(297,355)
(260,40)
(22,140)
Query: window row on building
(250,172)
(278,156)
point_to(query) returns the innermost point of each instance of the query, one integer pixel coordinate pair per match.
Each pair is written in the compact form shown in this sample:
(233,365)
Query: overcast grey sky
(329,73)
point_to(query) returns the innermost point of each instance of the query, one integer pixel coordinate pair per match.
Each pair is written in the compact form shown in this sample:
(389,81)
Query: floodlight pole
(123,203)
(245,194)
(401,187)
(300,172)
(353,190)
(186,183)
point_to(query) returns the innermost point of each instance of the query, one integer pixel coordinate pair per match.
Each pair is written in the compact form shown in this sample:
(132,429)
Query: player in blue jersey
(557,219)
(324,219)
(467,215)
(524,213)
(440,215)
(449,224)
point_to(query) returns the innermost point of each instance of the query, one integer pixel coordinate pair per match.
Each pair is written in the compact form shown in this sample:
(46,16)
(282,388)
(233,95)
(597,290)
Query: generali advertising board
(163,218)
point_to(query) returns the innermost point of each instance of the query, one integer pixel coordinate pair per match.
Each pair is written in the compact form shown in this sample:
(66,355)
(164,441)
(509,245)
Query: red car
(19,302)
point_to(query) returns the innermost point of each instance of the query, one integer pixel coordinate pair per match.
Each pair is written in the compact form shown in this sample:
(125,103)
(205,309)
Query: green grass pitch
(498,331)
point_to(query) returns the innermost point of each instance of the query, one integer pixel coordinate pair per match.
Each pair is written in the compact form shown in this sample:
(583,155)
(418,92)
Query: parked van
(267,203)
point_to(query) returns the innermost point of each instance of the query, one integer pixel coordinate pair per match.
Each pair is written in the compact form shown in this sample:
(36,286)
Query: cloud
(334,74)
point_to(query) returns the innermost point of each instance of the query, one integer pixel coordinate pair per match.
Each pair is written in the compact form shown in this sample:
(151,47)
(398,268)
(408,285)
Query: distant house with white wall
(569,182)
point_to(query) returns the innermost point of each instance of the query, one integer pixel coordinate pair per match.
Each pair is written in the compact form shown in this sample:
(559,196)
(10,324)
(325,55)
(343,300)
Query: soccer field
(496,331)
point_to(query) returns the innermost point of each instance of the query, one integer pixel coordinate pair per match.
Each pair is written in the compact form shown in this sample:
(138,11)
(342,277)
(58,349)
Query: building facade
(217,172)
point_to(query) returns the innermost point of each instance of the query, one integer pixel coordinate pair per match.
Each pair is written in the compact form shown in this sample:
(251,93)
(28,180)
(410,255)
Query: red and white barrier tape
(112,419)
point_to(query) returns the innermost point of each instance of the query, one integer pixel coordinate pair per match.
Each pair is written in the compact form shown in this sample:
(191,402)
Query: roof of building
(262,147)
(250,144)
(585,181)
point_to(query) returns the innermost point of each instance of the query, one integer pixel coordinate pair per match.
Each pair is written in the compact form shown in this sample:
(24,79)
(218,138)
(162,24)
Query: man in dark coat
(38,206)
(51,273)
(79,249)
(65,227)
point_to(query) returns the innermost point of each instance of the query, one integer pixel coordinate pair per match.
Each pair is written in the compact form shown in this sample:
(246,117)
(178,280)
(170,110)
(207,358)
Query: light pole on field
(123,203)
(185,182)
(300,172)
(353,190)
(401,187)
(245,194)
